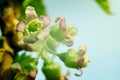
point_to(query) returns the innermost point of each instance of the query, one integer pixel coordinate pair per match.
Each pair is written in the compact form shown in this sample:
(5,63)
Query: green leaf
(104,4)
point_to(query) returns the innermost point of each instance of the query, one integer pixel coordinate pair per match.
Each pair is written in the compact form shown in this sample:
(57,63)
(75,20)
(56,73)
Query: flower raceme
(46,40)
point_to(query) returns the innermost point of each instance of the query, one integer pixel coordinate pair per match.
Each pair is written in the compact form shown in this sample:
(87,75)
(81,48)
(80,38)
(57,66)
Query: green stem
(39,52)
(50,51)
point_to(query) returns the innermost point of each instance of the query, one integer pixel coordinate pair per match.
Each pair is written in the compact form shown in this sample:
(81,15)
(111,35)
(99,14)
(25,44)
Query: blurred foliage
(104,4)
(20,5)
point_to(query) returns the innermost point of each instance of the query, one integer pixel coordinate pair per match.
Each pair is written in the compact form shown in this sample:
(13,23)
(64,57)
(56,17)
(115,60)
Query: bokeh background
(97,30)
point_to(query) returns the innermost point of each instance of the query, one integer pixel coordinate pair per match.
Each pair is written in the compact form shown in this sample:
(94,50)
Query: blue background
(98,31)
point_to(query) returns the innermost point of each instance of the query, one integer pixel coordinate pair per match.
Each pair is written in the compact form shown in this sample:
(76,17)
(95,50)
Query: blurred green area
(20,5)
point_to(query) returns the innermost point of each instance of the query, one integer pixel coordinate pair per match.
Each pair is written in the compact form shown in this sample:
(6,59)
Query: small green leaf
(104,4)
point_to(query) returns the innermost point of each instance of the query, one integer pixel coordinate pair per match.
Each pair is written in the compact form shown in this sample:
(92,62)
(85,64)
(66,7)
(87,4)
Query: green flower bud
(58,33)
(72,31)
(70,58)
(74,59)
(51,70)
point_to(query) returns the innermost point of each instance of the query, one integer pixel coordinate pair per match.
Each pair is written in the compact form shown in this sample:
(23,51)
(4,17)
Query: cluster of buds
(46,40)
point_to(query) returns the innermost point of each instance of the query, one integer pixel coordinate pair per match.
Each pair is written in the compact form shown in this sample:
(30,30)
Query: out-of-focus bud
(73,59)
(58,33)
(71,30)
(62,23)
(51,70)
(82,49)
(70,58)
(30,13)
(20,26)
(45,19)
(32,75)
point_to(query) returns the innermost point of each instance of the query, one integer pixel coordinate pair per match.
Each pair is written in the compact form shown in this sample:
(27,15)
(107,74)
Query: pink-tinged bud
(45,19)
(43,35)
(62,23)
(20,26)
(32,74)
(30,13)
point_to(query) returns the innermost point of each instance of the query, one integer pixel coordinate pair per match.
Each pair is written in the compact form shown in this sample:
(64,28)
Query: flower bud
(45,19)
(62,23)
(71,30)
(30,13)
(82,50)
(58,33)
(51,70)
(73,59)
(20,27)
(70,58)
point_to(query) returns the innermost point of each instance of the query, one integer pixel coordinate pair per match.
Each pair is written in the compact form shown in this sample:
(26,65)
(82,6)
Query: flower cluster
(45,40)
